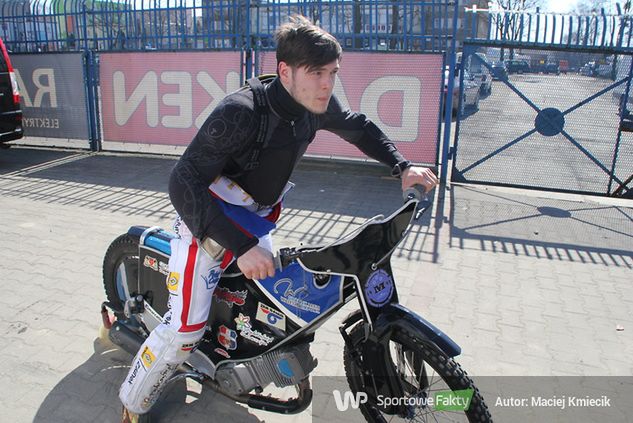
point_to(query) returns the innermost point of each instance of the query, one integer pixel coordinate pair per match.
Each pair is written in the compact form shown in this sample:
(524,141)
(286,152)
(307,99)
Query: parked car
(470,96)
(552,68)
(476,67)
(517,66)
(604,71)
(10,111)
(546,68)
(588,69)
(499,71)
(563,66)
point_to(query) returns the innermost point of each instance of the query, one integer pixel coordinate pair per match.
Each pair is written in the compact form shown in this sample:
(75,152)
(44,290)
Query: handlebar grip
(277,261)
(284,257)
(415,192)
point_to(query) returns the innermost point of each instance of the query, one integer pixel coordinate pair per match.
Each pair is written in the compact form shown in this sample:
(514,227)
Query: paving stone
(517,303)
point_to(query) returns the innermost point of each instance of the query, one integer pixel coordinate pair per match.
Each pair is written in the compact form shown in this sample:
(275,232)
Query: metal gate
(556,115)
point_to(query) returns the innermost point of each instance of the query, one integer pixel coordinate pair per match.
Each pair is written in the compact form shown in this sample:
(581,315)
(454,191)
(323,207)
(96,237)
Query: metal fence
(133,40)
(597,30)
(61,25)
(556,114)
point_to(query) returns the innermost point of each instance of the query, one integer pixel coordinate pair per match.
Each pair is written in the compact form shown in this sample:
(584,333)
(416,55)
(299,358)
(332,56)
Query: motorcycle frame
(377,325)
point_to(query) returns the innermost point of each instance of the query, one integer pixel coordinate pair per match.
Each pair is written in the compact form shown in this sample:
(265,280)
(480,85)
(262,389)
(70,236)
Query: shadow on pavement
(116,182)
(92,390)
(17,159)
(333,198)
(522,225)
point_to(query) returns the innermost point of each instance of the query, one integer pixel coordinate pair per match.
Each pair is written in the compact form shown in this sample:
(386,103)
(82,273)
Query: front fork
(372,357)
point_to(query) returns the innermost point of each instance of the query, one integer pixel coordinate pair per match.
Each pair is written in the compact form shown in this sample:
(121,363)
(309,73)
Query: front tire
(423,371)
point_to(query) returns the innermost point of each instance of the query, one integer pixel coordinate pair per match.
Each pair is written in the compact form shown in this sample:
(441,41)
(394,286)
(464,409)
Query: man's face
(312,88)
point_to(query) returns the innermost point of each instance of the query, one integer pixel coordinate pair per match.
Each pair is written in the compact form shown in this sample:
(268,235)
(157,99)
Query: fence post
(91,81)
(247,43)
(448,105)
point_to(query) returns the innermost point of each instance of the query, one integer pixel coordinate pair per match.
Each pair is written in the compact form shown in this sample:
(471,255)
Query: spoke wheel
(423,371)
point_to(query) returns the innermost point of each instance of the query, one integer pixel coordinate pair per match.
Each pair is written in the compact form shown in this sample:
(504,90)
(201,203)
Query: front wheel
(424,372)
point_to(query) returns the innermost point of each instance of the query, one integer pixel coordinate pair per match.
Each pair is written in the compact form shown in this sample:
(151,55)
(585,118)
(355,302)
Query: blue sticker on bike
(295,292)
(379,288)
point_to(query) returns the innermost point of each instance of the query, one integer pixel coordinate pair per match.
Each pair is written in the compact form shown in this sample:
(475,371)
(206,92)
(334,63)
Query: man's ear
(284,71)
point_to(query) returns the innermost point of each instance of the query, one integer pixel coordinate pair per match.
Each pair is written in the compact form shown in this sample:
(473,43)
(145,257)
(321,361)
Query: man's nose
(328,83)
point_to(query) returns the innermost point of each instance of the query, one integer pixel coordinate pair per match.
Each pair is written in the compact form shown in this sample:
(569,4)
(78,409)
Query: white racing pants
(193,276)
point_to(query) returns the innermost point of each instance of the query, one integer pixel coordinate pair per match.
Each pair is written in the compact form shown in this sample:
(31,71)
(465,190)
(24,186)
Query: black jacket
(224,141)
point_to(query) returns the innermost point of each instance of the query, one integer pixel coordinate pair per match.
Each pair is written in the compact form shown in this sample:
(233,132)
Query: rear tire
(120,271)
(423,369)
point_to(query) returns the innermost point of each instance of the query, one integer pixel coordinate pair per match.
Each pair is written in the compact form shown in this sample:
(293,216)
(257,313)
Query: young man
(218,174)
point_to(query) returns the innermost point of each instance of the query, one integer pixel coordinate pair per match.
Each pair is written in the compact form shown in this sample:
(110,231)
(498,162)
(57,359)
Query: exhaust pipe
(125,338)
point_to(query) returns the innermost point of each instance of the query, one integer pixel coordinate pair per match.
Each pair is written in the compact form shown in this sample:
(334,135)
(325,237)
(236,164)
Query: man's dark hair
(301,43)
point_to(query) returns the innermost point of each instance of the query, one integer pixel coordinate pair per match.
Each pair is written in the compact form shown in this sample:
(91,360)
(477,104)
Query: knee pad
(158,358)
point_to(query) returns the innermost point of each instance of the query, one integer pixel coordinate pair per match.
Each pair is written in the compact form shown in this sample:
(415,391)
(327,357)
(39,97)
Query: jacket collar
(282,102)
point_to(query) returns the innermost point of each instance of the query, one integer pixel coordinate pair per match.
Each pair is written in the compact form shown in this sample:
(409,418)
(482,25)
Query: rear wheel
(120,271)
(424,371)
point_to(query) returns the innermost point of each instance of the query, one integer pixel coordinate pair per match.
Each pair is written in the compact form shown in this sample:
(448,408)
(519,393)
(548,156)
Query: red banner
(398,92)
(163,98)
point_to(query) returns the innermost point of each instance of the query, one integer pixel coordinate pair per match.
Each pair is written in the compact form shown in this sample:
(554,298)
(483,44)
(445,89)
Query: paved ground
(526,285)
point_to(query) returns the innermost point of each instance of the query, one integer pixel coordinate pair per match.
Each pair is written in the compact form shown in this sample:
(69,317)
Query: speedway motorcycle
(259,331)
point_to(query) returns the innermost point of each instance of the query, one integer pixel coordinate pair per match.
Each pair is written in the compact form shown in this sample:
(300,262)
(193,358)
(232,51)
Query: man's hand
(256,263)
(416,175)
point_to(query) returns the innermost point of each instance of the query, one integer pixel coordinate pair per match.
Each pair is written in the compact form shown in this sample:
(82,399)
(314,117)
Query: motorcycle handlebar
(415,192)
(285,256)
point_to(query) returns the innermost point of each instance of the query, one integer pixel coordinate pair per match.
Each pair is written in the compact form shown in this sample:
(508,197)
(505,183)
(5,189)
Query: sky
(564,6)
(560,6)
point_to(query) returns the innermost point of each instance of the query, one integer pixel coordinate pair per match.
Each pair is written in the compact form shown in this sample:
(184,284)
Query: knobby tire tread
(123,246)
(445,366)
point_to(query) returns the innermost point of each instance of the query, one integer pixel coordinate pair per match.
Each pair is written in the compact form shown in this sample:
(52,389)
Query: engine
(283,367)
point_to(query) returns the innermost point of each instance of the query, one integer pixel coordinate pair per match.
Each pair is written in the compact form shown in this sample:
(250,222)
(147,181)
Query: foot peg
(134,305)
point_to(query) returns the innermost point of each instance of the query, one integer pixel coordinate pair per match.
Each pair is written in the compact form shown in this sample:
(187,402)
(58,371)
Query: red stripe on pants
(187,288)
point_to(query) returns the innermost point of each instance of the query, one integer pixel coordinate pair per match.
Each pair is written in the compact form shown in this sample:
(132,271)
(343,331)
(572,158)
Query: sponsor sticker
(137,366)
(163,268)
(228,297)
(222,352)
(157,388)
(295,297)
(227,338)
(151,262)
(211,280)
(245,329)
(189,347)
(148,357)
(172,282)
(379,288)
(271,317)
